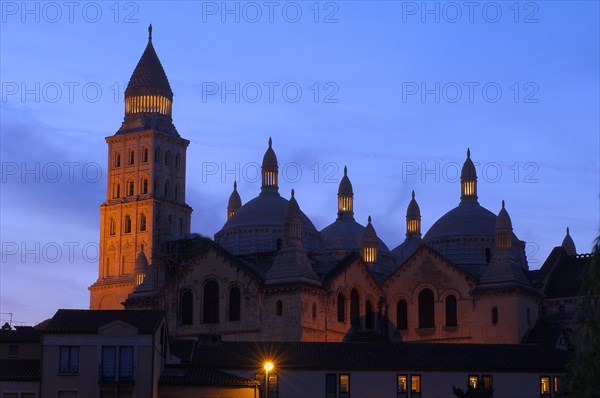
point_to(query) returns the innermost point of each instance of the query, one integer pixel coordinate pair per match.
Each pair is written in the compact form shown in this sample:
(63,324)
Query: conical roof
(270,159)
(568,244)
(293,209)
(468,172)
(345,188)
(503,220)
(413,210)
(141,263)
(235,202)
(369,236)
(149,77)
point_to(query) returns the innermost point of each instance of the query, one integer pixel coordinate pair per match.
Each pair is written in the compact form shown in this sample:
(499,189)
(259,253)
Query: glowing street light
(268,367)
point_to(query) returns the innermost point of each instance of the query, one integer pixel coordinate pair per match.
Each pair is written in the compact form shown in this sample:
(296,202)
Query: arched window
(494,315)
(167,158)
(451,311)
(156,154)
(111,227)
(166,189)
(130,188)
(234,304)
(369,318)
(402,315)
(314,310)
(488,255)
(354,308)
(426,309)
(186,308)
(143,222)
(117,190)
(211,302)
(341,307)
(145,155)
(117,161)
(279,308)
(127,224)
(144,185)
(131,157)
(177,161)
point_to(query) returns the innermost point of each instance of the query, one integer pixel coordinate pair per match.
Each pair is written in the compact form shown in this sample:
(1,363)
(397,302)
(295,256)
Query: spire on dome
(468,179)
(503,230)
(568,244)
(235,202)
(369,243)
(148,90)
(345,196)
(269,169)
(413,218)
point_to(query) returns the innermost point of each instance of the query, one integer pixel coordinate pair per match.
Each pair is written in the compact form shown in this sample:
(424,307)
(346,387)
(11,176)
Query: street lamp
(268,367)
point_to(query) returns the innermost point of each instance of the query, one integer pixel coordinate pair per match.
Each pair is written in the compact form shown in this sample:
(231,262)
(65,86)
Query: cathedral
(270,275)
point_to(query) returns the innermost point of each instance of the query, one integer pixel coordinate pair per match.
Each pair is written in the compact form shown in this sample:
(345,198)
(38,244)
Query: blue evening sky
(395,90)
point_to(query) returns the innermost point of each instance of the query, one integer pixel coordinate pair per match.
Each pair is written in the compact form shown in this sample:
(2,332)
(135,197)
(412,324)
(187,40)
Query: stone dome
(269,162)
(235,202)
(259,224)
(413,210)
(345,185)
(345,235)
(468,219)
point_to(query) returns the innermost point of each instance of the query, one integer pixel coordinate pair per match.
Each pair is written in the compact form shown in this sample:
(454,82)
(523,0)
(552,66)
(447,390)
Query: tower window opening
(145,155)
(117,160)
(131,158)
(369,254)
(127,225)
(145,186)
(143,222)
(117,191)
(130,188)
(168,158)
(177,161)
(111,227)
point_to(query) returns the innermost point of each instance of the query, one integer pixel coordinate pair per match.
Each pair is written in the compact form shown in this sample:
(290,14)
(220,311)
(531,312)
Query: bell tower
(145,196)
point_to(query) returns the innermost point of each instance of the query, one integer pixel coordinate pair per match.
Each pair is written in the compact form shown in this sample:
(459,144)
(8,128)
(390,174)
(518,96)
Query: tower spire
(345,197)
(235,202)
(468,179)
(269,170)
(150,32)
(413,219)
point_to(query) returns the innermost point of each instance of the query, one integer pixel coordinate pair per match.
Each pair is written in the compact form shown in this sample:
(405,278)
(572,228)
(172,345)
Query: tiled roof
(383,356)
(88,321)
(22,334)
(19,370)
(149,76)
(200,376)
(566,277)
(182,349)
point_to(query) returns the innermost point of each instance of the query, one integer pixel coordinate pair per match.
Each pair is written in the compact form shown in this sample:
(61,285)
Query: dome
(468,219)
(413,210)
(149,77)
(468,170)
(141,263)
(235,202)
(259,223)
(269,162)
(568,244)
(345,188)
(345,235)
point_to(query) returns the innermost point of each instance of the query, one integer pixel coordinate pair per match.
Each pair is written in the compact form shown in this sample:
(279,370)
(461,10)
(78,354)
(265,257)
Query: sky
(394,90)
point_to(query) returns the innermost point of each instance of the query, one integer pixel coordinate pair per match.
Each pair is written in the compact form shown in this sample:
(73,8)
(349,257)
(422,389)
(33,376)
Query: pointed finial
(292,193)
(468,153)
(413,194)
(369,219)
(567,230)
(270,142)
(345,171)
(503,203)
(234,185)
(150,32)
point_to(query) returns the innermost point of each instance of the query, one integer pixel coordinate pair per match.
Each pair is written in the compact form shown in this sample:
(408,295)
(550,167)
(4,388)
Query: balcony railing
(112,374)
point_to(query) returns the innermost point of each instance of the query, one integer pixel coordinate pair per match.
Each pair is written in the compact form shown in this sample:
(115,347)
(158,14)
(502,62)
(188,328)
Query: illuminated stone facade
(270,275)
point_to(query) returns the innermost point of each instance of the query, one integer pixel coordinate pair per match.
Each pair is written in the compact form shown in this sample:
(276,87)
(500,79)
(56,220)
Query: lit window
(415,386)
(279,308)
(555,385)
(473,381)
(402,386)
(69,359)
(330,385)
(545,386)
(344,386)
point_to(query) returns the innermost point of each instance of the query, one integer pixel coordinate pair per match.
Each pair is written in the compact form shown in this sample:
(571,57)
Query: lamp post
(268,367)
